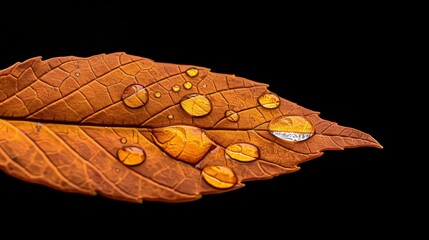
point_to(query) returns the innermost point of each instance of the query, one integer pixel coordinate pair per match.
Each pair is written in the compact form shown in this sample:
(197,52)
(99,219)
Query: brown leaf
(130,128)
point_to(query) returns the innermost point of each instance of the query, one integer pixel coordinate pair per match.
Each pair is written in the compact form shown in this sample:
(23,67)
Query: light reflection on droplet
(291,128)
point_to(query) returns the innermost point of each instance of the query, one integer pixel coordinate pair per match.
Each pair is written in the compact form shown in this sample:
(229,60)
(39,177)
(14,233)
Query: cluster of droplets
(137,96)
(190,144)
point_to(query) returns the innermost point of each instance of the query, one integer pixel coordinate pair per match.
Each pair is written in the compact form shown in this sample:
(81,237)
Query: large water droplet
(269,100)
(196,105)
(243,152)
(192,72)
(219,176)
(131,156)
(186,143)
(232,116)
(291,128)
(135,96)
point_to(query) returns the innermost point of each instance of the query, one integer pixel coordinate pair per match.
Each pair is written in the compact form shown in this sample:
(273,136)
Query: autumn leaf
(132,129)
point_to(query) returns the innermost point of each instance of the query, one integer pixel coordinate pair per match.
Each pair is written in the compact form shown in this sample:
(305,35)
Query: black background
(335,62)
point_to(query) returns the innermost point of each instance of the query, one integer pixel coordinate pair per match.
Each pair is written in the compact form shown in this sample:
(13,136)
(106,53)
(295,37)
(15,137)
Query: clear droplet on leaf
(196,105)
(123,140)
(186,143)
(232,116)
(192,72)
(291,128)
(243,152)
(187,85)
(269,100)
(135,96)
(157,94)
(219,176)
(175,88)
(131,156)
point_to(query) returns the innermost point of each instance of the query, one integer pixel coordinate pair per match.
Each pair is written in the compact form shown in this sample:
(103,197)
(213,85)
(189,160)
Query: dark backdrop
(330,61)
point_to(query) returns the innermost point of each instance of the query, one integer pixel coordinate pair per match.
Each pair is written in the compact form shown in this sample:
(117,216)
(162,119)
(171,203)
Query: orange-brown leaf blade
(132,129)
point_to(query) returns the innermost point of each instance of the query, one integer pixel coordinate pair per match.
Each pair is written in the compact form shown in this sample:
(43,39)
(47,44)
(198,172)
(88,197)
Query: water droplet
(157,94)
(77,74)
(170,116)
(123,140)
(117,170)
(269,100)
(196,105)
(232,116)
(187,85)
(186,143)
(192,72)
(204,85)
(175,88)
(131,156)
(291,128)
(219,176)
(243,152)
(135,96)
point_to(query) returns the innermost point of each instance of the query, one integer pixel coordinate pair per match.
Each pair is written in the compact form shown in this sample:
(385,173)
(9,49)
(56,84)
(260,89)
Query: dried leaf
(133,129)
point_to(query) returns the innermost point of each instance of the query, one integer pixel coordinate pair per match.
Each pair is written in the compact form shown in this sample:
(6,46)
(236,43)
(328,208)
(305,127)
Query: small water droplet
(204,85)
(38,126)
(157,94)
(135,96)
(232,116)
(123,140)
(219,176)
(170,116)
(243,152)
(187,85)
(192,72)
(117,170)
(269,100)
(291,128)
(77,74)
(131,156)
(175,88)
(196,105)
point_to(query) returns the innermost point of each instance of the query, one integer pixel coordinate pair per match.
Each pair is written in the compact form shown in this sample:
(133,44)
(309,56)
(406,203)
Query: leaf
(133,129)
